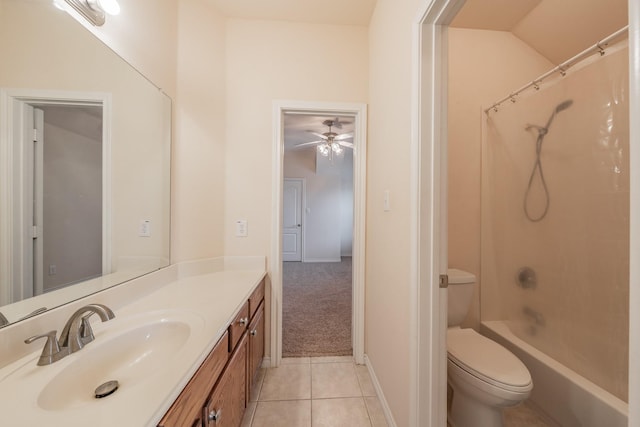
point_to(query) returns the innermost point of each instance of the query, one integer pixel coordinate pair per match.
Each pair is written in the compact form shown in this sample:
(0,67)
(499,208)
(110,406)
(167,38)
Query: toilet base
(469,412)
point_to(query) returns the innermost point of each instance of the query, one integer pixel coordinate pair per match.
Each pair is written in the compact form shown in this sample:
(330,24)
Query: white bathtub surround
(205,295)
(560,393)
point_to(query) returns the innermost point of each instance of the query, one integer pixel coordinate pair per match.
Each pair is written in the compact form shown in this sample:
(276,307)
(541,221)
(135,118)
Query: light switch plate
(241,228)
(145,228)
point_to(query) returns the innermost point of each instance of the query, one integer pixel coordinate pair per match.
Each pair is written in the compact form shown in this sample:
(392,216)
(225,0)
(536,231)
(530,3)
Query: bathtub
(562,395)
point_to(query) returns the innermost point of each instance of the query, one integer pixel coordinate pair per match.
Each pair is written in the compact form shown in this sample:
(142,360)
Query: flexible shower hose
(537,167)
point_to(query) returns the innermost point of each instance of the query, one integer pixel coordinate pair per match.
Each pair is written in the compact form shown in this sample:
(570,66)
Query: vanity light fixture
(94,10)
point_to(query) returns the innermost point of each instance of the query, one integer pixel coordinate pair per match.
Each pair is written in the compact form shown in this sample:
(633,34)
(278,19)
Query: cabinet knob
(254,332)
(215,415)
(243,321)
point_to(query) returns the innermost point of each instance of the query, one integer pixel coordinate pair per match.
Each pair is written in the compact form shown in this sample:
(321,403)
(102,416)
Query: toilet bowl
(484,376)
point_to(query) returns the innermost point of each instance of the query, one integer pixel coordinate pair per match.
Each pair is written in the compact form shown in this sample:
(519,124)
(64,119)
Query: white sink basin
(128,357)
(143,352)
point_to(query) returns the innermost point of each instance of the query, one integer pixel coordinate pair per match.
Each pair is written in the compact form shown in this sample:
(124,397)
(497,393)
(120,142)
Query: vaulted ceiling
(557,29)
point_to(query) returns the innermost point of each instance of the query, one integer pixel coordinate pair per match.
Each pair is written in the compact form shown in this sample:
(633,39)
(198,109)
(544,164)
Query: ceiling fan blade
(344,136)
(346,144)
(319,135)
(304,144)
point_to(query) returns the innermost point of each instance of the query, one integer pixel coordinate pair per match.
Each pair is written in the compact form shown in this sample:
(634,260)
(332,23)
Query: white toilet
(484,376)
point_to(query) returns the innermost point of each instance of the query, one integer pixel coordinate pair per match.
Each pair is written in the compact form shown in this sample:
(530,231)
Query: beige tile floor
(314,392)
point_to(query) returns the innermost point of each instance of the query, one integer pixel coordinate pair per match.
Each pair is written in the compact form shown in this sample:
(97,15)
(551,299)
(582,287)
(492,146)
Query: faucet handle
(86,333)
(51,351)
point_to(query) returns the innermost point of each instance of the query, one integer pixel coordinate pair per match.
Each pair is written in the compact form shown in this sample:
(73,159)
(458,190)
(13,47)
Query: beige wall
(145,34)
(180,46)
(199,146)
(388,287)
(484,66)
(269,61)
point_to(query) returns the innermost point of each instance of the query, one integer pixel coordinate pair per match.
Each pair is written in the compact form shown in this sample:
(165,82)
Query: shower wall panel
(576,309)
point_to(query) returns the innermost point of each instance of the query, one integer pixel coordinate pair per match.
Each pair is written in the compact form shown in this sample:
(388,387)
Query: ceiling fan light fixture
(336,147)
(324,149)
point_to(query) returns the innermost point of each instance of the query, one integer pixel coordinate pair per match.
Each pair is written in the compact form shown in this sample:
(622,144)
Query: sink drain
(106,389)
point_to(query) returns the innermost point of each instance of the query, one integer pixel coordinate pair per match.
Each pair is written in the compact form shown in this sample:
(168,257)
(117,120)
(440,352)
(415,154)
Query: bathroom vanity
(218,393)
(184,346)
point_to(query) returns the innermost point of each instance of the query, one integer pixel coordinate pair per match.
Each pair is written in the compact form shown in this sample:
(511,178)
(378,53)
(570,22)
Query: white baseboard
(266,362)
(383,401)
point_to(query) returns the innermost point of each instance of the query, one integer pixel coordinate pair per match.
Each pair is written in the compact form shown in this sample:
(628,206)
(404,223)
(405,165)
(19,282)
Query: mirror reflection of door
(66,204)
(292,219)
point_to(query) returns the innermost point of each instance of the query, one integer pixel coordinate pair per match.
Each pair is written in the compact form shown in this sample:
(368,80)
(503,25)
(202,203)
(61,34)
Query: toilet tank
(459,297)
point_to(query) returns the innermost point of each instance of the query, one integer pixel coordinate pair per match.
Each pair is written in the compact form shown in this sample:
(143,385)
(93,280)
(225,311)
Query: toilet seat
(487,360)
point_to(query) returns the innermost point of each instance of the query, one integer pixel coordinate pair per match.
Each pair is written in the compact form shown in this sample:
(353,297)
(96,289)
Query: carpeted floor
(316,309)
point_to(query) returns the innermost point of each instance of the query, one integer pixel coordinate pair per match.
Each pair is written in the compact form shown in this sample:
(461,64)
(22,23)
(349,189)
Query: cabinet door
(256,344)
(256,299)
(187,409)
(226,406)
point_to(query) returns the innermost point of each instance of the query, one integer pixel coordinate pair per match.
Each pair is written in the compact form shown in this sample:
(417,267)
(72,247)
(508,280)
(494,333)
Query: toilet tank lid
(457,276)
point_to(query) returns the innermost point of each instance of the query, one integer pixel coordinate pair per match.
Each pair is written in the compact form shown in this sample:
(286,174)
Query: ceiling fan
(331,142)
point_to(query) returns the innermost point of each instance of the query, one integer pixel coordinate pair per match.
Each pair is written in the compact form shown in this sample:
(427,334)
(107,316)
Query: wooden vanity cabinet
(218,393)
(225,407)
(186,411)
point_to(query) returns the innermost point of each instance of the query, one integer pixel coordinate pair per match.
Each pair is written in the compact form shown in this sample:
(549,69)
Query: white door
(292,192)
(38,200)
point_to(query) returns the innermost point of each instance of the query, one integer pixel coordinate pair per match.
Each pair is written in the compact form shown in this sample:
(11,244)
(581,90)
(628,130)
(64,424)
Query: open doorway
(355,113)
(317,235)
(57,158)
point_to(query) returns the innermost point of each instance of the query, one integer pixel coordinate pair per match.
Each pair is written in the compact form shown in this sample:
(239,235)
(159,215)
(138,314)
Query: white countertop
(209,301)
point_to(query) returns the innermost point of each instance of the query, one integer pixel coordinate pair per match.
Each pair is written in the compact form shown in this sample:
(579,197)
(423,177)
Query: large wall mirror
(84,163)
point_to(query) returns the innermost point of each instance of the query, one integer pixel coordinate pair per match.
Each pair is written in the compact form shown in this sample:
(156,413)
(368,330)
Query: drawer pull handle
(215,415)
(243,321)
(254,332)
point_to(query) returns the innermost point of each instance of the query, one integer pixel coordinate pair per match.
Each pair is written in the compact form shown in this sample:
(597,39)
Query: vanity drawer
(187,408)
(238,326)
(256,298)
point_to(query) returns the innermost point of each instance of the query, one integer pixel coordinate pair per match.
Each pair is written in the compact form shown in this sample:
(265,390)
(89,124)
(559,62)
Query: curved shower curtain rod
(562,68)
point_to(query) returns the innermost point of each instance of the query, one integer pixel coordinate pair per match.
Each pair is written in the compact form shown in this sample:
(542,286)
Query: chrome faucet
(76,334)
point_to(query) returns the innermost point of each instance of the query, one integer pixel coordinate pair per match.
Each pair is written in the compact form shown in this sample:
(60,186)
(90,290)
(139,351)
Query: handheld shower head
(564,105)
(560,107)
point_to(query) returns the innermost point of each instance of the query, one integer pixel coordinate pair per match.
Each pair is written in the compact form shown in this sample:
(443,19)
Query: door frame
(634,214)
(12,125)
(428,397)
(303,205)
(359,114)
